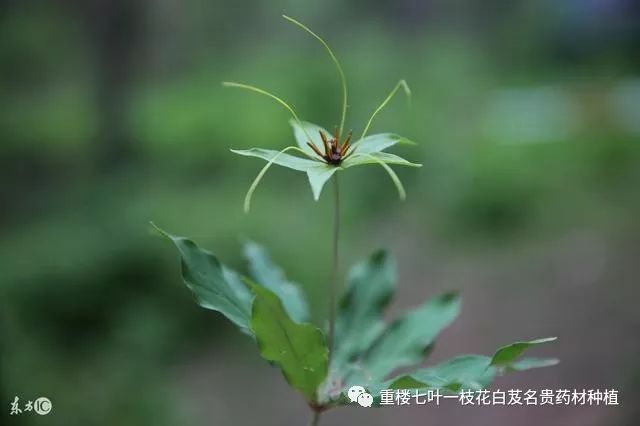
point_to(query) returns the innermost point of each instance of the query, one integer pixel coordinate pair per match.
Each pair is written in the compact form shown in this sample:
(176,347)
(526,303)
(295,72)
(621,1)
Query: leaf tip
(379,256)
(246,206)
(546,339)
(450,296)
(155,228)
(405,87)
(243,152)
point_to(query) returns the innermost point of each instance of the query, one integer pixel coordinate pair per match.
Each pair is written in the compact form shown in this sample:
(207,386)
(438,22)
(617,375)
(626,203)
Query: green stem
(315,417)
(334,268)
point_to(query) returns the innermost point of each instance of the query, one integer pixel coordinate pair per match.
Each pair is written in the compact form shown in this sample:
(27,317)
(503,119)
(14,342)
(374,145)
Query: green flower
(323,154)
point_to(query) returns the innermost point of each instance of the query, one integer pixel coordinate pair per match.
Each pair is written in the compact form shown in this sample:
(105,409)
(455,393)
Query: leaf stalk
(315,417)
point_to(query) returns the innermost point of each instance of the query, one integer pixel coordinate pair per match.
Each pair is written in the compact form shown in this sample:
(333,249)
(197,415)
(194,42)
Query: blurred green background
(112,114)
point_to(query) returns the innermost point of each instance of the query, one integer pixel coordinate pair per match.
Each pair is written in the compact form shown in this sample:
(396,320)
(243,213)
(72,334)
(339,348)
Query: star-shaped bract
(333,155)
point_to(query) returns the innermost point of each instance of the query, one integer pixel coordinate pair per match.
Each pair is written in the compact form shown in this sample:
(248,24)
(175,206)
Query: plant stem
(334,267)
(315,417)
(333,294)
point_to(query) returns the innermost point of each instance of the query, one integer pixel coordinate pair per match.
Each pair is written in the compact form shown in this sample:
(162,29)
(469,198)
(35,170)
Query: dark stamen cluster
(334,151)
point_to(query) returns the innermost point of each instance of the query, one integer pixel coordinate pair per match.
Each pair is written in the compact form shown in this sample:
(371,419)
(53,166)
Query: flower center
(334,151)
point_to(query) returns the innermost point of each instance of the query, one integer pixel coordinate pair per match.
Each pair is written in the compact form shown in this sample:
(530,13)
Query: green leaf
(237,285)
(214,286)
(317,171)
(462,372)
(298,349)
(467,371)
(407,339)
(313,130)
(382,158)
(269,275)
(359,321)
(529,363)
(278,157)
(378,142)
(360,158)
(506,355)
(318,176)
